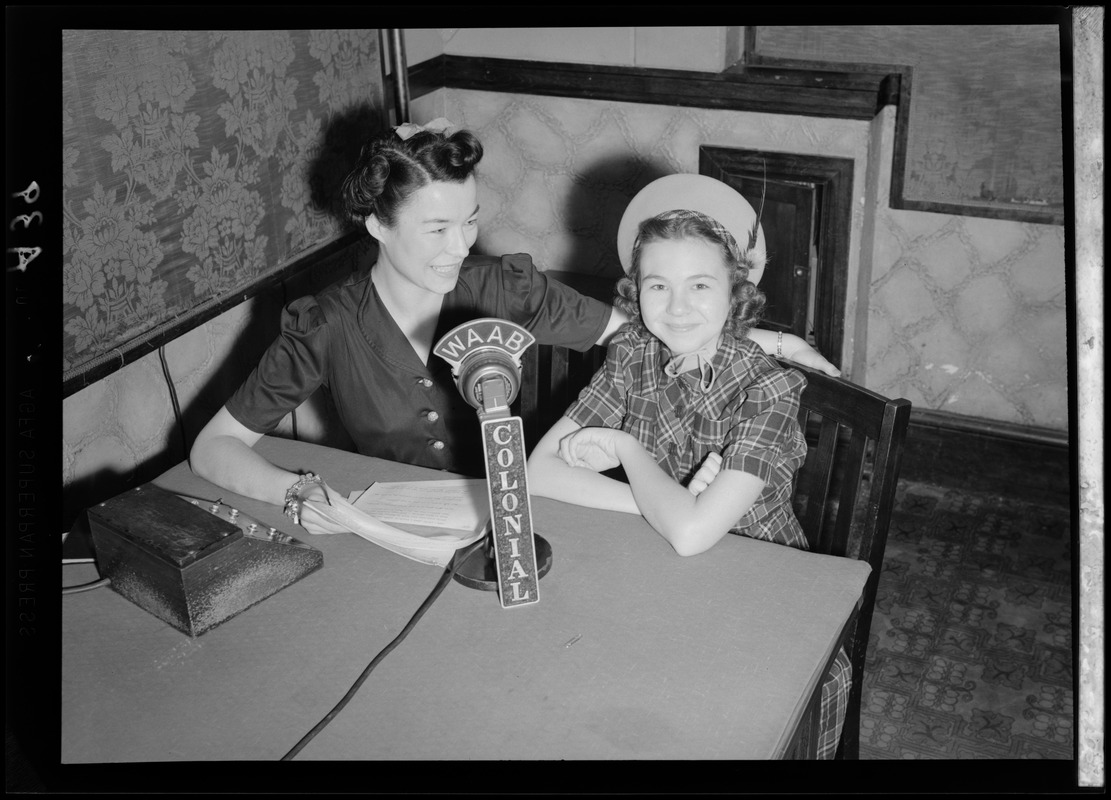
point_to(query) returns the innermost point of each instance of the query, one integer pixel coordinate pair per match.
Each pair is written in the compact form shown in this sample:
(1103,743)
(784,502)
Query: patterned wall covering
(968,315)
(196,162)
(121,430)
(985,116)
(958,314)
(558,173)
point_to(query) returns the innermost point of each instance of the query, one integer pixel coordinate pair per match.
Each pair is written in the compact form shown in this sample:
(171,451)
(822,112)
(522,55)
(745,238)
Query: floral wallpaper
(195,162)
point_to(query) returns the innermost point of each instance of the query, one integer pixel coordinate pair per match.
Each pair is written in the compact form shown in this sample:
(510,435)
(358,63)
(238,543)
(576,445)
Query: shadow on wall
(105,484)
(340,145)
(237,359)
(343,140)
(593,210)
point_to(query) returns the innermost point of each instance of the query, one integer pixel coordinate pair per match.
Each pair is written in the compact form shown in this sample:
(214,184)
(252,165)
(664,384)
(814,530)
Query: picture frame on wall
(980,123)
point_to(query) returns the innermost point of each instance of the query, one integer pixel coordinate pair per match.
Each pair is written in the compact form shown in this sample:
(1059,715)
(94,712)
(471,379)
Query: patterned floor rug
(970,654)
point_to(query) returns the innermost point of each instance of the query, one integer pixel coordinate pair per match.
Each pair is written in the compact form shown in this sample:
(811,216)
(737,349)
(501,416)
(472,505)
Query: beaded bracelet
(293,496)
(779,345)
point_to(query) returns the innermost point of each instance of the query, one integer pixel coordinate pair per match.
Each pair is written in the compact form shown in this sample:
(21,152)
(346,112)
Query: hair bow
(438,125)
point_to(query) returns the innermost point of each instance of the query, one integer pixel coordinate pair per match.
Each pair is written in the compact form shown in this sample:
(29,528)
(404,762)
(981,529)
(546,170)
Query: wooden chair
(844,492)
(551,379)
(843,498)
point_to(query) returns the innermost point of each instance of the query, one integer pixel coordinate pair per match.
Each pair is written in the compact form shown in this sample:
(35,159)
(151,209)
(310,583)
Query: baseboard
(989,427)
(1026,462)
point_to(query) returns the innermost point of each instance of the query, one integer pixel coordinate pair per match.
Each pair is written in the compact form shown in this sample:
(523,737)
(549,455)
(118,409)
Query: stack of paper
(426,521)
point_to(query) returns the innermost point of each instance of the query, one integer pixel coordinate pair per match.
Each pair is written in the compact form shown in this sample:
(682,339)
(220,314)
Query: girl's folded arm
(691,524)
(550,476)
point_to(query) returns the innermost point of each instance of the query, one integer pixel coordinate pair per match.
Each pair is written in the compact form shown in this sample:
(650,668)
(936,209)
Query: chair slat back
(551,379)
(853,434)
(844,495)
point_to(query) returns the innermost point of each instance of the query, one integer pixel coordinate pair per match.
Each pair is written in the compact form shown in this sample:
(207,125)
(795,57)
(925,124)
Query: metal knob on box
(192,563)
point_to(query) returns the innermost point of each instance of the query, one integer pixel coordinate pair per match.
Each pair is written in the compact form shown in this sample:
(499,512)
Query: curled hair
(747,303)
(390,170)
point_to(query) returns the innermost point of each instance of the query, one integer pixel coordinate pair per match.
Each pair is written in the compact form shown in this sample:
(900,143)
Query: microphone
(485,357)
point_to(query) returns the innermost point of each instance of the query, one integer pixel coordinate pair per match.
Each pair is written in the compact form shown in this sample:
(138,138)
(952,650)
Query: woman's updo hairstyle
(389,170)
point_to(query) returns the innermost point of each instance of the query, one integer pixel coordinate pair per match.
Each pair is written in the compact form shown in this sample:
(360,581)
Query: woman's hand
(705,475)
(796,349)
(592,448)
(315,522)
(793,348)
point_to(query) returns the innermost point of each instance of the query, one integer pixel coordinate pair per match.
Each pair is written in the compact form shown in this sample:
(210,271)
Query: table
(632,652)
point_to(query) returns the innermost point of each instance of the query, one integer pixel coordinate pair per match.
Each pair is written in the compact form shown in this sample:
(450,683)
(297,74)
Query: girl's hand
(705,475)
(592,448)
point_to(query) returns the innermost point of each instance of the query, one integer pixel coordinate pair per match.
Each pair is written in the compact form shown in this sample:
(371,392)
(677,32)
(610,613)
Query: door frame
(832,178)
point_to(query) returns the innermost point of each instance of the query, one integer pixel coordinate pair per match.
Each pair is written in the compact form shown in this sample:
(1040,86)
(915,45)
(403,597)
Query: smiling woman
(421,255)
(367,340)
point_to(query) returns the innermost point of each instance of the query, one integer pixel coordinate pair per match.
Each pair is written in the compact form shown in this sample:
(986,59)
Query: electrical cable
(86,586)
(292,414)
(173,399)
(458,558)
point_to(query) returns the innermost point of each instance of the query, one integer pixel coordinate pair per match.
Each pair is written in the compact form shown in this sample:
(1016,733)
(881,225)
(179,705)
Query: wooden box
(193,565)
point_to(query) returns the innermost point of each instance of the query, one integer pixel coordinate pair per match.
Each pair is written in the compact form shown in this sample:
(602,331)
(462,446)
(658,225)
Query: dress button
(436,444)
(432,416)
(425,382)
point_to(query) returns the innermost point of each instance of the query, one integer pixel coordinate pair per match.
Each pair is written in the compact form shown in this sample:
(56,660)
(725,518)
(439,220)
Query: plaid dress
(749,414)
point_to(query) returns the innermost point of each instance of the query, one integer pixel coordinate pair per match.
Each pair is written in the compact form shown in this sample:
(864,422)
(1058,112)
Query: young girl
(702,422)
(683,388)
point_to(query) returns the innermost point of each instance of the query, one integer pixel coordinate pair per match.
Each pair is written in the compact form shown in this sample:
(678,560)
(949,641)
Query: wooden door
(788,221)
(806,217)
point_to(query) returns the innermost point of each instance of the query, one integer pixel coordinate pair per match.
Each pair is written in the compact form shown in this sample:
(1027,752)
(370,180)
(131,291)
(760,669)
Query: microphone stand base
(480,570)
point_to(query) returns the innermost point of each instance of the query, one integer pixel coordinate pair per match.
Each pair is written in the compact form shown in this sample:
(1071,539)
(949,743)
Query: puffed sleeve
(766,440)
(290,370)
(553,312)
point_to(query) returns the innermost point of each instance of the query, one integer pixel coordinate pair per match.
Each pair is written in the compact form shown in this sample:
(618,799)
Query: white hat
(699,193)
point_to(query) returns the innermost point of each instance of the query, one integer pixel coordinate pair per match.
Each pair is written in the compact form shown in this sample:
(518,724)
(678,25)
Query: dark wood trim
(426,77)
(750,44)
(1022,463)
(821,92)
(88,374)
(1050,216)
(979,426)
(834,178)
